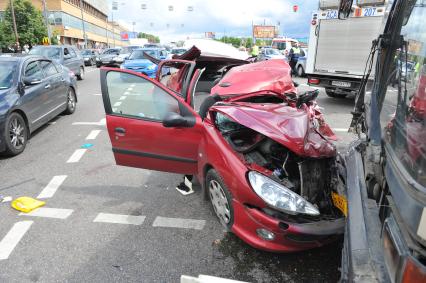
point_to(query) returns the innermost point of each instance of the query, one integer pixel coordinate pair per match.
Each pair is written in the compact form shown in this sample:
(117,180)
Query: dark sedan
(107,57)
(89,57)
(33,90)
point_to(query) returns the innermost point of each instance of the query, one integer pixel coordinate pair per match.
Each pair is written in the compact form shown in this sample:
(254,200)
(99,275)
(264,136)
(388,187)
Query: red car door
(150,126)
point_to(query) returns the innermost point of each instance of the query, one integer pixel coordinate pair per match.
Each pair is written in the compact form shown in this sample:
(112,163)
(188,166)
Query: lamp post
(84,26)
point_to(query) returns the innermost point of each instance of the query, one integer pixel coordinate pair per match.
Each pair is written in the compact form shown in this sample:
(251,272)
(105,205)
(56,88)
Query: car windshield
(272,52)
(403,115)
(49,52)
(138,54)
(110,51)
(6,74)
(86,52)
(178,51)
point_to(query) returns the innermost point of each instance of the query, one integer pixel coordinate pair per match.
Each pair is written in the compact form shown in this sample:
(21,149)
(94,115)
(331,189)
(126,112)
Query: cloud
(229,17)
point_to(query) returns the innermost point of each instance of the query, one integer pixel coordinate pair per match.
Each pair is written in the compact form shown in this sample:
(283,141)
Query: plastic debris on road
(5,199)
(87,145)
(185,187)
(26,204)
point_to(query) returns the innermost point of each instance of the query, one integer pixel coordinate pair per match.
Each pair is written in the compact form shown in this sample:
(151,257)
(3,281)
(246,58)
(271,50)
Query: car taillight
(313,81)
(401,265)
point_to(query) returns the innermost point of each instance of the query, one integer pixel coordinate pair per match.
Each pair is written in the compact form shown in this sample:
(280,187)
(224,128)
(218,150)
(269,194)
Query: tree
(151,38)
(29,22)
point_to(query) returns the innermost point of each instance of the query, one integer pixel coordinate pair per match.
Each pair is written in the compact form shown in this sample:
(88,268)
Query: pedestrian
(293,57)
(255,51)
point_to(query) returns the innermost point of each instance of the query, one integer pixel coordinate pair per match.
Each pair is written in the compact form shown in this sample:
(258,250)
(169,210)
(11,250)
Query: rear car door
(58,88)
(137,109)
(69,60)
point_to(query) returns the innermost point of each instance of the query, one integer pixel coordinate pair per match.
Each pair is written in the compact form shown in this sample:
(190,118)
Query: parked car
(138,62)
(67,55)
(269,53)
(33,90)
(106,58)
(89,56)
(262,154)
(178,51)
(124,54)
(301,62)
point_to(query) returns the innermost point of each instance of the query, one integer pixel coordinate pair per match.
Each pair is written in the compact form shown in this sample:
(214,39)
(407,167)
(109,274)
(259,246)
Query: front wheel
(71,102)
(220,198)
(16,134)
(80,76)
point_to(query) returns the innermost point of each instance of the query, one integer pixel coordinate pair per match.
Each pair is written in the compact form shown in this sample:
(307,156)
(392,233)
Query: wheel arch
(207,168)
(24,116)
(75,92)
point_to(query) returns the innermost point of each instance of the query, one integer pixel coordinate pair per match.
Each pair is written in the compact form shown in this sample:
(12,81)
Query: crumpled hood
(271,75)
(284,124)
(139,63)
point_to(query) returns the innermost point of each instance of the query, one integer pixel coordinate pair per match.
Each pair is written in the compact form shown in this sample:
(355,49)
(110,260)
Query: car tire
(98,65)
(300,71)
(80,76)
(220,198)
(333,94)
(15,135)
(71,102)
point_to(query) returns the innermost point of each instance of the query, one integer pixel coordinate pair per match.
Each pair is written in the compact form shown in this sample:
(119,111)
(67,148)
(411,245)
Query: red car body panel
(286,125)
(271,75)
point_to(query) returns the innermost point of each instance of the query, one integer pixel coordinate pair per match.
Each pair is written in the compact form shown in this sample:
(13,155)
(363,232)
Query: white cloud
(230,17)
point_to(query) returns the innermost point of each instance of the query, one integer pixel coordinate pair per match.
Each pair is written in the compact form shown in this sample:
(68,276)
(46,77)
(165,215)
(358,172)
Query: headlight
(118,59)
(151,67)
(278,196)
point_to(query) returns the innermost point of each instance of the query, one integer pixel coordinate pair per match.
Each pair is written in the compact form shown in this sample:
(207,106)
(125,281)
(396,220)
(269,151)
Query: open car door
(150,125)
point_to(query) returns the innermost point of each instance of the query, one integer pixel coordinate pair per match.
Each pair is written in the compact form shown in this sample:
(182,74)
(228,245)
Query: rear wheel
(220,198)
(16,134)
(81,75)
(300,71)
(71,102)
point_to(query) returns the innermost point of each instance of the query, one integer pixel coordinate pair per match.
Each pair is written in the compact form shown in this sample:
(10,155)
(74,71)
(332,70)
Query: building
(65,22)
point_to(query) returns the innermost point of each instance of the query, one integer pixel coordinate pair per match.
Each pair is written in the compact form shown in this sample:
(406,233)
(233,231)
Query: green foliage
(151,38)
(239,41)
(29,22)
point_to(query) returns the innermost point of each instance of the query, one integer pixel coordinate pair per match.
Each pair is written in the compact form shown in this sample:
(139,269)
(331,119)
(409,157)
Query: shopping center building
(65,22)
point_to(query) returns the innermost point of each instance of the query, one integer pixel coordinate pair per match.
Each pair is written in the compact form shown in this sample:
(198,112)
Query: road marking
(179,223)
(52,187)
(119,219)
(130,89)
(12,238)
(117,103)
(126,93)
(102,122)
(97,94)
(93,134)
(340,130)
(91,71)
(77,155)
(52,123)
(132,85)
(122,97)
(59,213)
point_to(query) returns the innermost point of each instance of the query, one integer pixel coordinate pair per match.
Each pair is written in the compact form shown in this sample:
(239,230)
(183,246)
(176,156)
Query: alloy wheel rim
(71,100)
(17,133)
(219,201)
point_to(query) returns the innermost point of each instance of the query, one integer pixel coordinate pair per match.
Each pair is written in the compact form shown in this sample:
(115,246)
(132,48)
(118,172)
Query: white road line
(59,213)
(102,122)
(345,130)
(12,238)
(119,219)
(122,97)
(91,71)
(114,109)
(52,123)
(77,155)
(97,94)
(117,103)
(178,223)
(126,93)
(130,89)
(52,187)
(132,85)
(93,134)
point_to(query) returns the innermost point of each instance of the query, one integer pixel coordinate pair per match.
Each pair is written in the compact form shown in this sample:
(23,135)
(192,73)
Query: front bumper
(289,237)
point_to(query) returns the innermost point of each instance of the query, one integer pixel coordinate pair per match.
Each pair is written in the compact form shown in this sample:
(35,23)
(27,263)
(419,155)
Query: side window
(33,72)
(72,53)
(48,68)
(133,96)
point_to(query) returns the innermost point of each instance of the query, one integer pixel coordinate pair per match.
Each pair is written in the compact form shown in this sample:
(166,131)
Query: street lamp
(84,25)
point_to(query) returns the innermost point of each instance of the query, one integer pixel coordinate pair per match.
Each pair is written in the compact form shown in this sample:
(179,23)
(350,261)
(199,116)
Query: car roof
(21,57)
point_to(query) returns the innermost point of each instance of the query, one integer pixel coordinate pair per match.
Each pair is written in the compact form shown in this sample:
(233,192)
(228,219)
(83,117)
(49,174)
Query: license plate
(340,202)
(343,84)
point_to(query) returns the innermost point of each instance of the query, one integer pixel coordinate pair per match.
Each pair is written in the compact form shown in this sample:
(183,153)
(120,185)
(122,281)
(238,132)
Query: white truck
(338,49)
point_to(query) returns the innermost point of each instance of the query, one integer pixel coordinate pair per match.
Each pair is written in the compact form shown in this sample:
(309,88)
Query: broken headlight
(279,196)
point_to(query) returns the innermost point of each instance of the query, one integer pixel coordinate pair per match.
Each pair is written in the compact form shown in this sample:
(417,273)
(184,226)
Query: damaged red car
(263,155)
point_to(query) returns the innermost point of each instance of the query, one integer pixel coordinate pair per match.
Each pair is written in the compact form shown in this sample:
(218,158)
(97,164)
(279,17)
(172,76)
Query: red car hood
(286,125)
(271,76)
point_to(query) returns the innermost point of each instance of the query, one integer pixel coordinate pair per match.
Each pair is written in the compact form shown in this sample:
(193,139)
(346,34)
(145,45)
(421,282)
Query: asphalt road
(73,238)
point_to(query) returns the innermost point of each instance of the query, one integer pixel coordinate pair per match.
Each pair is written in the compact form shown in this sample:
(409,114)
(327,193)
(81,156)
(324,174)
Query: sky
(224,17)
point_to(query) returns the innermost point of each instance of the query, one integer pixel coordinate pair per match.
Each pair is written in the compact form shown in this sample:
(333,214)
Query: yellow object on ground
(26,204)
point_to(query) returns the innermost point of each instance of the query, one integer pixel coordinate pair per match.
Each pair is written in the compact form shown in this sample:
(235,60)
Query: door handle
(47,86)
(120,130)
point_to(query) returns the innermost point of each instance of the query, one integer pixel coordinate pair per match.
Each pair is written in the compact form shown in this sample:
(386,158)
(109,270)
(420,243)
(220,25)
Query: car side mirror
(21,88)
(175,120)
(28,81)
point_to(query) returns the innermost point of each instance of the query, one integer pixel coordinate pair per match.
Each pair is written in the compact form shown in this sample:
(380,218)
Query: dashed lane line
(52,187)
(77,155)
(93,134)
(48,212)
(12,238)
(118,103)
(102,122)
(119,219)
(179,223)
(122,97)
(340,130)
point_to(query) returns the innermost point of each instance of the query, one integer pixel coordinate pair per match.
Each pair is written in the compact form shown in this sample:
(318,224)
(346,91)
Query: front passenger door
(137,109)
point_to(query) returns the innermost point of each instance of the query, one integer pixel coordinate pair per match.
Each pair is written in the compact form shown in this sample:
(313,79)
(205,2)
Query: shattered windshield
(404,110)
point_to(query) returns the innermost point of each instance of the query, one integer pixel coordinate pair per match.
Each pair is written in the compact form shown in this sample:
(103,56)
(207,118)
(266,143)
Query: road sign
(264,31)
(46,40)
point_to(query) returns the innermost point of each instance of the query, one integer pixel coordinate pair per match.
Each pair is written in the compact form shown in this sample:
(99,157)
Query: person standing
(255,51)
(293,57)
